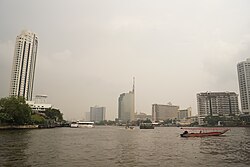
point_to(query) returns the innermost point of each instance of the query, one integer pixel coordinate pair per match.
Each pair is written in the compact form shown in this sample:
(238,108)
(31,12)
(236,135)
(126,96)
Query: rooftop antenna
(133,85)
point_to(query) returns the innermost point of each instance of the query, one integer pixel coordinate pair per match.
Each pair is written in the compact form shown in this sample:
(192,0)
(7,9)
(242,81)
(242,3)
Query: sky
(90,50)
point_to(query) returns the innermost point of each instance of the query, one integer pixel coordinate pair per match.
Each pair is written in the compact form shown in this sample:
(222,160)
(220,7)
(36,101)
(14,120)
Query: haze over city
(89,51)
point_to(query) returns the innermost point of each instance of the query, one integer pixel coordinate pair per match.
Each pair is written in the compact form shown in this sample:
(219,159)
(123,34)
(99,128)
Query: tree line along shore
(16,114)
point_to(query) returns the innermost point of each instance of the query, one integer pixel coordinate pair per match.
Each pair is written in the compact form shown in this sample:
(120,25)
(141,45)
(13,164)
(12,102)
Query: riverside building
(142,116)
(126,106)
(97,114)
(162,112)
(185,113)
(23,67)
(217,104)
(243,69)
(39,105)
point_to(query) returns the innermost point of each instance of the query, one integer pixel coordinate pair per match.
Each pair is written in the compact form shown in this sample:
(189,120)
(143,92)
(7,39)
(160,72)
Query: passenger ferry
(82,124)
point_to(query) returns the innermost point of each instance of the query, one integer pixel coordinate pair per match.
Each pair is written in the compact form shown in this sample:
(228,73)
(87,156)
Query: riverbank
(19,127)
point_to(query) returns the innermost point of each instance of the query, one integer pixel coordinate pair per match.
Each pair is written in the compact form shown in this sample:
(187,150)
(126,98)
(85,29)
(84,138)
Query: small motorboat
(203,132)
(74,125)
(129,127)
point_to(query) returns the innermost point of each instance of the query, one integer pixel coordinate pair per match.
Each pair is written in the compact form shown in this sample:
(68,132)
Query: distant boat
(74,125)
(129,127)
(203,132)
(146,126)
(82,124)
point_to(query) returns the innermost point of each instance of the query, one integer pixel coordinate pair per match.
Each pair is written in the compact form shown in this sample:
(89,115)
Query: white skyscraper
(243,69)
(23,67)
(126,108)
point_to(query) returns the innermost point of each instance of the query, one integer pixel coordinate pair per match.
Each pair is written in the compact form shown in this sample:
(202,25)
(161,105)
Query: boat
(129,127)
(203,132)
(74,125)
(82,124)
(146,126)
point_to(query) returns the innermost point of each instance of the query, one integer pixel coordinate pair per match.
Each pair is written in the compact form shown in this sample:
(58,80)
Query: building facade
(126,108)
(243,69)
(185,113)
(97,114)
(143,116)
(23,67)
(39,105)
(217,104)
(164,112)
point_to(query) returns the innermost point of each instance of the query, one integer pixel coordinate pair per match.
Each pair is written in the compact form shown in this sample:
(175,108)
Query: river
(116,146)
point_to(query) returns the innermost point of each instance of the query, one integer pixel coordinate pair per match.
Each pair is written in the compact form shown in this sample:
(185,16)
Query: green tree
(37,119)
(212,120)
(168,121)
(5,118)
(54,114)
(14,110)
(147,121)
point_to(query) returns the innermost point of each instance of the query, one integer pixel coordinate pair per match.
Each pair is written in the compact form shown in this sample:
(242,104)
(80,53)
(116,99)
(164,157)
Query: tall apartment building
(162,112)
(23,67)
(217,103)
(243,69)
(97,114)
(126,106)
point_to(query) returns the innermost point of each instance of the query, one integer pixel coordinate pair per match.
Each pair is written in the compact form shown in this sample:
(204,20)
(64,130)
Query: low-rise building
(143,116)
(39,104)
(188,121)
(184,113)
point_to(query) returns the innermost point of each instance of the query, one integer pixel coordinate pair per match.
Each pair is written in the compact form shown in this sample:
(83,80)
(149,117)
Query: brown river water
(117,146)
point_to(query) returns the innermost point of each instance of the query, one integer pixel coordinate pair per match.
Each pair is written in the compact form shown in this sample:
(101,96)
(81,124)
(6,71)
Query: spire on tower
(133,85)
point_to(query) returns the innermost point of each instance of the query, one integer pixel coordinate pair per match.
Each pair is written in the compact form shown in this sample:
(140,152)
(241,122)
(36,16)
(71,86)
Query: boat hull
(202,134)
(85,126)
(82,124)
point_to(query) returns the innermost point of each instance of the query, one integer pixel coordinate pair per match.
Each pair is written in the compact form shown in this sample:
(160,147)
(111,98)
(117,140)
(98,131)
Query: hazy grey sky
(89,50)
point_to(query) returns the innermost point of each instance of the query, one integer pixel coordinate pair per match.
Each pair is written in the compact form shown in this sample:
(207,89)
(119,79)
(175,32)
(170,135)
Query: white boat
(74,125)
(82,124)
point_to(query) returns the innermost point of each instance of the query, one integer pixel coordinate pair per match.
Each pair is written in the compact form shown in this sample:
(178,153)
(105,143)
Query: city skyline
(89,54)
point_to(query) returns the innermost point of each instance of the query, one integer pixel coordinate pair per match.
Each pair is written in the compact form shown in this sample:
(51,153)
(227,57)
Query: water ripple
(115,146)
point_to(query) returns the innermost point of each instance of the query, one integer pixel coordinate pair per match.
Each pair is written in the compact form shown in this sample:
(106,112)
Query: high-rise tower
(126,106)
(243,69)
(23,67)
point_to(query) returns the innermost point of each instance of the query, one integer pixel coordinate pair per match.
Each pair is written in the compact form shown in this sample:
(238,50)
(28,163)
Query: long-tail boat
(203,132)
